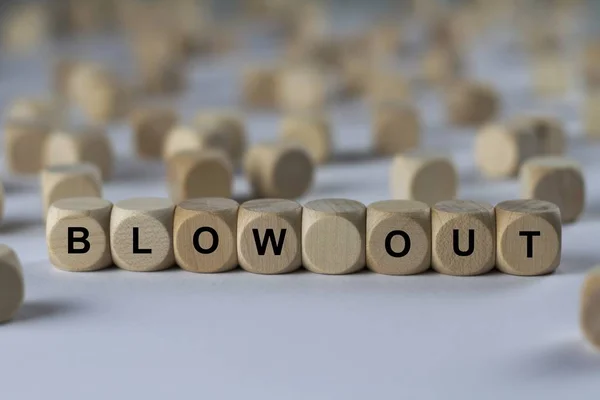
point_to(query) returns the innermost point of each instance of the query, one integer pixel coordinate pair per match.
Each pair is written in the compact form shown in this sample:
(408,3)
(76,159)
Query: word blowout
(327,236)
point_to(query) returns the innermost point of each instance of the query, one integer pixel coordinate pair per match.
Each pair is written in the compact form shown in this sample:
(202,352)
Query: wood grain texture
(396,128)
(150,126)
(464,237)
(269,236)
(90,216)
(80,145)
(12,286)
(589,310)
(333,236)
(228,125)
(472,103)
(72,180)
(214,221)
(24,140)
(152,219)
(311,130)
(423,177)
(279,170)
(184,138)
(259,87)
(555,179)
(514,254)
(388,222)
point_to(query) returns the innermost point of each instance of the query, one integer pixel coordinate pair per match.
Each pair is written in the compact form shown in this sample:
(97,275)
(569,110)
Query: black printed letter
(269,237)
(82,239)
(215,238)
(388,244)
(530,235)
(136,243)
(457,249)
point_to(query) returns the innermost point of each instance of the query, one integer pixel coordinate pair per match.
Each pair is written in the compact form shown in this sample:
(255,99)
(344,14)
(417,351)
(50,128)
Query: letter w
(261,246)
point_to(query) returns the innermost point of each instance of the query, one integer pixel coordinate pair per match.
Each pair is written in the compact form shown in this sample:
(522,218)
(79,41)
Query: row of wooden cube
(328,236)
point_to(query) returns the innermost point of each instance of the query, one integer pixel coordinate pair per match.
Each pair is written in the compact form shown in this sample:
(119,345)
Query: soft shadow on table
(12,225)
(41,309)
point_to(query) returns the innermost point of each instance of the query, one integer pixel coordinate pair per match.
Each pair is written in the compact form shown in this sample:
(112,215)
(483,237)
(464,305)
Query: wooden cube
(528,238)
(589,314)
(141,234)
(591,114)
(310,130)
(24,141)
(423,177)
(269,236)
(24,26)
(548,131)
(333,236)
(550,75)
(183,138)
(204,234)
(66,181)
(557,180)
(45,112)
(472,103)
(279,170)
(227,125)
(386,86)
(398,237)
(80,145)
(302,88)
(259,87)
(396,128)
(150,126)
(78,234)
(442,65)
(12,286)
(464,237)
(204,173)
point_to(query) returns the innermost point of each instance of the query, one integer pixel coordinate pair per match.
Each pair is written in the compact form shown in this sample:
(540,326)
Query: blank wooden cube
(547,130)
(141,234)
(528,238)
(259,87)
(472,103)
(591,114)
(150,126)
(557,180)
(310,130)
(183,138)
(464,237)
(396,128)
(204,173)
(386,86)
(423,177)
(333,236)
(78,234)
(279,170)
(66,181)
(80,145)
(204,234)
(24,26)
(442,65)
(12,286)
(269,236)
(46,112)
(550,75)
(229,126)
(591,65)
(398,237)
(589,312)
(24,141)
(302,88)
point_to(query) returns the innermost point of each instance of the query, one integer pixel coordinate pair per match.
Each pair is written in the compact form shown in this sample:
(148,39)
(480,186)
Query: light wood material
(396,128)
(12,286)
(183,138)
(150,221)
(78,234)
(24,26)
(66,181)
(269,236)
(259,87)
(550,75)
(80,145)
(205,173)
(442,65)
(464,237)
(279,170)
(557,180)
(423,177)
(591,114)
(228,125)
(547,130)
(333,236)
(45,112)
(204,234)
(386,86)
(589,311)
(398,237)
(522,253)
(24,141)
(302,88)
(472,103)
(313,131)
(150,126)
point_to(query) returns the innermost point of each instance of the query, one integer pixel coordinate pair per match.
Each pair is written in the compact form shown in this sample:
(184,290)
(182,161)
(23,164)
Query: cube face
(12,288)
(396,129)
(311,132)
(398,237)
(269,236)
(77,233)
(589,314)
(25,146)
(150,128)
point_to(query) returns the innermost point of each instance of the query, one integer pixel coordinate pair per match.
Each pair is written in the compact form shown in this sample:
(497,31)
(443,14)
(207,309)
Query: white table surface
(176,334)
